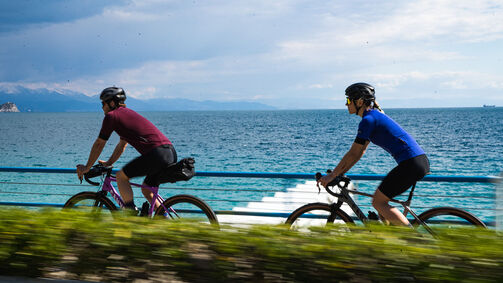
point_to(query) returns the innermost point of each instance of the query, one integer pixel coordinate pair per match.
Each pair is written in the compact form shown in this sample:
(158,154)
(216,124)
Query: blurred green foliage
(85,246)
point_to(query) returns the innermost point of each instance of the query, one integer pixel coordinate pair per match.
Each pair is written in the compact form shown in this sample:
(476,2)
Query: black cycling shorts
(151,164)
(404,176)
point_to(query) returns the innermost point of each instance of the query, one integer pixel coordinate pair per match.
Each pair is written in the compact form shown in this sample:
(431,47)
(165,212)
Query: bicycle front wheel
(316,214)
(449,217)
(187,207)
(90,201)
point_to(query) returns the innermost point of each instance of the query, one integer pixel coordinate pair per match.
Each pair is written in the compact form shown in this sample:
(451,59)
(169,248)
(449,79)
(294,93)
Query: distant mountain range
(44,100)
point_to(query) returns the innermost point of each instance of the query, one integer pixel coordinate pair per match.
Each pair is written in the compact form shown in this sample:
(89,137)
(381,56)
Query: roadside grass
(77,245)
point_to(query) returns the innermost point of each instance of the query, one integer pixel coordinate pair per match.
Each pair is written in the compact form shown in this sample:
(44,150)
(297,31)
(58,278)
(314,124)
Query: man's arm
(347,162)
(96,150)
(119,149)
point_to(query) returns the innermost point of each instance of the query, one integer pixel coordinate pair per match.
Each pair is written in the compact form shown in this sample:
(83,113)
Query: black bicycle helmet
(113,93)
(361,90)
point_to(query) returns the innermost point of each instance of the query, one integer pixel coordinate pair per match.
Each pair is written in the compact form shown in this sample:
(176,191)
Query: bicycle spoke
(315,214)
(172,212)
(447,217)
(187,208)
(90,201)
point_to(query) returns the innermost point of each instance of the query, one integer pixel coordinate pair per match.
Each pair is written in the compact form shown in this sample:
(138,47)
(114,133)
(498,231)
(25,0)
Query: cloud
(435,85)
(20,14)
(223,78)
(393,32)
(282,51)
(426,20)
(321,86)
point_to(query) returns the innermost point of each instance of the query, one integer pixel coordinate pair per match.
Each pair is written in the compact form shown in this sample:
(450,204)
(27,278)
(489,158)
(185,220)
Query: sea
(458,142)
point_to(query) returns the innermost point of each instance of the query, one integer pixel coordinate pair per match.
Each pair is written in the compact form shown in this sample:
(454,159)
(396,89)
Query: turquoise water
(458,141)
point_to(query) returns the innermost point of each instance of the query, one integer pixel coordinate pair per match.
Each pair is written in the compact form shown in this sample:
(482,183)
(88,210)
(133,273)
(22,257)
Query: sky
(287,54)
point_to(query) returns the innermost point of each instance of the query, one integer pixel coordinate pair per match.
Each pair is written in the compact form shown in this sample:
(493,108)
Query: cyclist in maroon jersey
(157,151)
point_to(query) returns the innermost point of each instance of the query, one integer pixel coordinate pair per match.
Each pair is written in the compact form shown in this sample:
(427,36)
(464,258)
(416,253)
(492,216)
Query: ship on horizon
(487,105)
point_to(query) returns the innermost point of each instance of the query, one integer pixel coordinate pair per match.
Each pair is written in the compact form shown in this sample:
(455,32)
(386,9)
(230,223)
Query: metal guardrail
(303,176)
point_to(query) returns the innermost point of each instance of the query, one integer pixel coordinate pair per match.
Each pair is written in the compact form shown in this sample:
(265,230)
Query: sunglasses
(348,101)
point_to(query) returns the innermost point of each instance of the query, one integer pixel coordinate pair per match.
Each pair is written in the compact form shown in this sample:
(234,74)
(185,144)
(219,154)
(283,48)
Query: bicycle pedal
(373,216)
(144,209)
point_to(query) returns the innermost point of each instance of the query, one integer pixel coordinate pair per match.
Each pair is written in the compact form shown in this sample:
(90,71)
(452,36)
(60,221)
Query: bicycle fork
(420,222)
(344,197)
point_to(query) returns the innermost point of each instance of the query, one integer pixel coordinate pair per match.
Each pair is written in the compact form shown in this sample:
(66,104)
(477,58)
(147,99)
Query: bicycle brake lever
(95,171)
(318,176)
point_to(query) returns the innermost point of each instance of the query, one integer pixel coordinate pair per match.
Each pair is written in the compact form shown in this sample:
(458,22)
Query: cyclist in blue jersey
(378,128)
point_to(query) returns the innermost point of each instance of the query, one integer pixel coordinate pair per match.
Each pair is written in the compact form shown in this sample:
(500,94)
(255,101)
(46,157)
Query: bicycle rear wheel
(91,201)
(316,214)
(449,217)
(187,207)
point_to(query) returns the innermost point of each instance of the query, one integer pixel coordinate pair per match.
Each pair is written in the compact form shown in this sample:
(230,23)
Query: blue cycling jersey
(381,130)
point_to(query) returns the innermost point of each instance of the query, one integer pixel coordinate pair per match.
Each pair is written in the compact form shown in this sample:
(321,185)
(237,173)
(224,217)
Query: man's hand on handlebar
(104,163)
(330,180)
(81,170)
(325,180)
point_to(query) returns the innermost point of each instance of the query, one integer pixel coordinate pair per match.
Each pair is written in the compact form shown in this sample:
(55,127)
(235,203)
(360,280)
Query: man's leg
(390,213)
(163,156)
(149,195)
(125,188)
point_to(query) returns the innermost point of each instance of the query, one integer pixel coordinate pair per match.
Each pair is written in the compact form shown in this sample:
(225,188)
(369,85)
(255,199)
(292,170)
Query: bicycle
(175,207)
(333,212)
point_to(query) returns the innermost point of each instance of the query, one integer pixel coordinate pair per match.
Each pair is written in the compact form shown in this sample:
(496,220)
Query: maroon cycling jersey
(133,128)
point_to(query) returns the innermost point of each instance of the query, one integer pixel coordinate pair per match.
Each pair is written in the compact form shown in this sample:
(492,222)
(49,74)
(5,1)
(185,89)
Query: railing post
(499,204)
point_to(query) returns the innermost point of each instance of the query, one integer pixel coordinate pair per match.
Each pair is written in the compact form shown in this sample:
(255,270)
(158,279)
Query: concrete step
(282,202)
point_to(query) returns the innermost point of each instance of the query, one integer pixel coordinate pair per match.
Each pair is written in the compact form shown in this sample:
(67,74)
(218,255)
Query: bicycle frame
(344,197)
(164,207)
(107,187)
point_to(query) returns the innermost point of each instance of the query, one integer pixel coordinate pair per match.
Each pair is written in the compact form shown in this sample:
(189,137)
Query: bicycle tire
(99,200)
(318,206)
(460,217)
(187,199)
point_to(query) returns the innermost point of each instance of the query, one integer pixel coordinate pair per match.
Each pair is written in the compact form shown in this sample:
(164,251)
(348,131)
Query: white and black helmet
(116,94)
